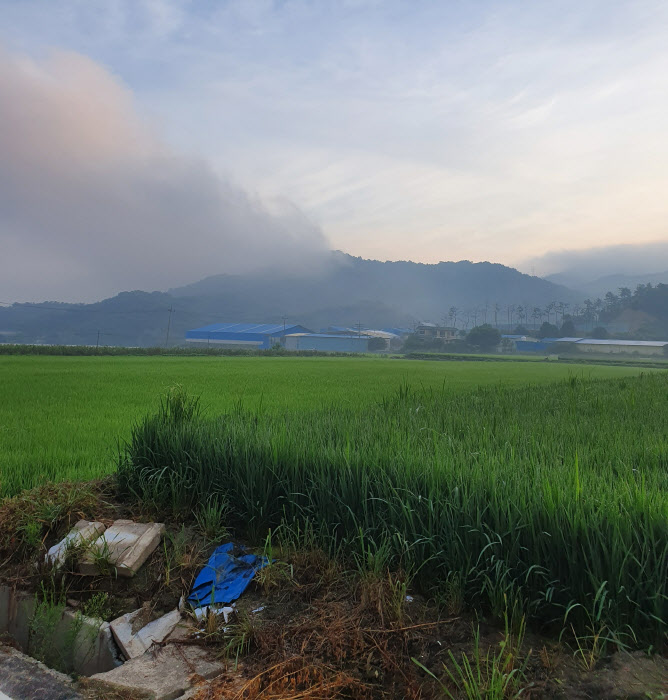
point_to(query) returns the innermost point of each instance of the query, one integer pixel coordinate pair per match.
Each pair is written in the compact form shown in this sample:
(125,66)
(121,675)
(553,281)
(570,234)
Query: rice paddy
(534,485)
(62,417)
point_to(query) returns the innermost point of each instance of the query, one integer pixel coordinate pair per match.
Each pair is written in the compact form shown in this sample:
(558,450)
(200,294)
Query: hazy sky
(153,142)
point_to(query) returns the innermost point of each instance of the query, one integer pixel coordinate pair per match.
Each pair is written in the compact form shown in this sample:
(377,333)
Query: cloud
(424,131)
(91,202)
(592,263)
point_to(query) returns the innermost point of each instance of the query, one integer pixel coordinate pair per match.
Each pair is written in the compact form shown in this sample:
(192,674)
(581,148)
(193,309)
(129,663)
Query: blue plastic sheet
(225,576)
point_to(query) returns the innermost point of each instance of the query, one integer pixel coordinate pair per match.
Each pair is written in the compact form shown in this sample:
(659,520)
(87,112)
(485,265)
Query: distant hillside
(343,290)
(610,283)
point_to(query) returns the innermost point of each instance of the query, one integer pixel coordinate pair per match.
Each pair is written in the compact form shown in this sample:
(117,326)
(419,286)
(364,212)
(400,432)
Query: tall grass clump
(553,497)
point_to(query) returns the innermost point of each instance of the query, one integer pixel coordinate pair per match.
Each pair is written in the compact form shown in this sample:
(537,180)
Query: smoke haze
(92,203)
(591,263)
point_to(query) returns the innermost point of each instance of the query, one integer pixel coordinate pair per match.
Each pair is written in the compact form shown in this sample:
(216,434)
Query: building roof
(398,331)
(608,341)
(326,335)
(338,329)
(256,328)
(634,343)
(379,334)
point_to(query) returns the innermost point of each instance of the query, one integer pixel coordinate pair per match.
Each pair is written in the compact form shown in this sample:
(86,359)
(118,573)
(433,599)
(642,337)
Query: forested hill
(649,303)
(343,290)
(406,290)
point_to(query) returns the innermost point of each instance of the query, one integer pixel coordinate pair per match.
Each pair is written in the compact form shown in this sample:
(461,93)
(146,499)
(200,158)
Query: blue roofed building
(260,336)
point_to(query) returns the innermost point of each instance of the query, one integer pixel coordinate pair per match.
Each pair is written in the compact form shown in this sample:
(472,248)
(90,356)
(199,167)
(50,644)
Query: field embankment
(550,499)
(61,417)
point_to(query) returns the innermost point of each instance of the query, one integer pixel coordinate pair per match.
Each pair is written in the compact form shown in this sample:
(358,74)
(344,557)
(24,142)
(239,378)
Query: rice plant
(538,494)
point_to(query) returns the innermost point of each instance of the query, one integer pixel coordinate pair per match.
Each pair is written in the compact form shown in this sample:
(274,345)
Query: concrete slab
(125,546)
(134,644)
(16,611)
(85,645)
(166,673)
(23,678)
(83,531)
(75,643)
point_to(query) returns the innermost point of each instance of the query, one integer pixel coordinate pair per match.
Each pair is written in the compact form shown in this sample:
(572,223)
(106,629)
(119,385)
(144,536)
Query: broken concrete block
(76,642)
(23,677)
(84,644)
(134,644)
(84,531)
(125,546)
(166,673)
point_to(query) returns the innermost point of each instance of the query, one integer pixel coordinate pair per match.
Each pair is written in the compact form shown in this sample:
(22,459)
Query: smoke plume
(92,203)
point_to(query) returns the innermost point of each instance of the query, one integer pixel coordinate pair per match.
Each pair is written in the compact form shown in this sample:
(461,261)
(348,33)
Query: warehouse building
(260,336)
(641,347)
(326,342)
(646,348)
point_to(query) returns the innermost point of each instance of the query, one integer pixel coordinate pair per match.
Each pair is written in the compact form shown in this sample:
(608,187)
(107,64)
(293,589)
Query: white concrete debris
(84,531)
(134,644)
(126,545)
(164,675)
(203,613)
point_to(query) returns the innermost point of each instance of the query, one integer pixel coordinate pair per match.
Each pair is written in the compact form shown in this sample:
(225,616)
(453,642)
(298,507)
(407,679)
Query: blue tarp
(225,576)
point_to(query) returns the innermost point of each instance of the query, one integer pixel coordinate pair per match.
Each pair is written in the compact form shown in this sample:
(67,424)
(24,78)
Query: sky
(147,143)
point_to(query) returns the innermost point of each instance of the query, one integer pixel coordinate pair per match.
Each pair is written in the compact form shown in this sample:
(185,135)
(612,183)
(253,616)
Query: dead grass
(329,634)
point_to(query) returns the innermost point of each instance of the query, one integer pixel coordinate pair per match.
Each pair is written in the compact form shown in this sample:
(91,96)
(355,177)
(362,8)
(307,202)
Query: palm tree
(520,313)
(511,312)
(536,315)
(496,308)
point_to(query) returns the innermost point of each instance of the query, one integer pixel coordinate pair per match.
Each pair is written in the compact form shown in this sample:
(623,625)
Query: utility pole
(97,344)
(359,329)
(169,323)
(285,318)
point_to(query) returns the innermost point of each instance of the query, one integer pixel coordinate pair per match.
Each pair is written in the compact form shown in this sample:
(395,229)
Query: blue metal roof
(256,328)
(398,331)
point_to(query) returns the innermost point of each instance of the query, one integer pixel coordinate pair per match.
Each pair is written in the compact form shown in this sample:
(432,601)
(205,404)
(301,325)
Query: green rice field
(538,488)
(61,418)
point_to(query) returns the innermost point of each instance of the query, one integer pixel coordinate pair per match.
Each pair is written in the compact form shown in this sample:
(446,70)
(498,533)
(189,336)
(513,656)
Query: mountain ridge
(342,290)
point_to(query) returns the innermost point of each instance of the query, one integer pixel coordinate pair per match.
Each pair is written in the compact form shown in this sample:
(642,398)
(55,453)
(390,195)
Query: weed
(239,636)
(453,597)
(212,518)
(497,674)
(99,554)
(276,573)
(30,533)
(98,606)
(49,607)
